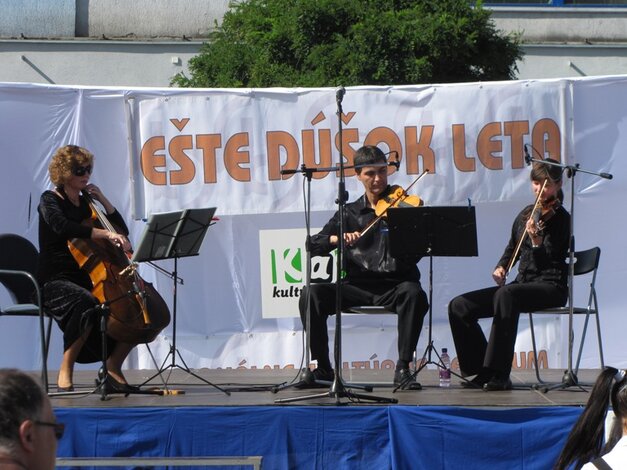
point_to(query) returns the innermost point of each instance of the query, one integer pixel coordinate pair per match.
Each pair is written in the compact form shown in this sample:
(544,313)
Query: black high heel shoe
(113,386)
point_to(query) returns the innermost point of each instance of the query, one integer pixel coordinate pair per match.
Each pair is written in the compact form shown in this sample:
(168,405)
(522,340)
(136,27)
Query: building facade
(147,42)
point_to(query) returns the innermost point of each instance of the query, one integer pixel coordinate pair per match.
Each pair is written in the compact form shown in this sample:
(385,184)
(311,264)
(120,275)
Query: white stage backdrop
(161,150)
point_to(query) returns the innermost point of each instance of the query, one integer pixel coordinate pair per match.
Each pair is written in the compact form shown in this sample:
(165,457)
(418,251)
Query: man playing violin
(541,237)
(66,287)
(373,277)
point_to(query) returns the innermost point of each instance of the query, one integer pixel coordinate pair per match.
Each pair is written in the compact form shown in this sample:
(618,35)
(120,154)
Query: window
(556,3)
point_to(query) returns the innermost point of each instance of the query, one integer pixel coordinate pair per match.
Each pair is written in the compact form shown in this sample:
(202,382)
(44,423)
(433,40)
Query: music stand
(432,231)
(174,235)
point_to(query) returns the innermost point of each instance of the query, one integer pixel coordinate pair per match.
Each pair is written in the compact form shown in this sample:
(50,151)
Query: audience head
(585,441)
(28,430)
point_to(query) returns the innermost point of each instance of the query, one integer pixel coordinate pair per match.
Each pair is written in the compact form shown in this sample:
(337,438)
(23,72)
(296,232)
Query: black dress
(66,287)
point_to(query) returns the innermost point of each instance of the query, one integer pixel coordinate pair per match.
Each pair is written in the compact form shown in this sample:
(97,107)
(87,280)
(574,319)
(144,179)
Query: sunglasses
(57,427)
(81,170)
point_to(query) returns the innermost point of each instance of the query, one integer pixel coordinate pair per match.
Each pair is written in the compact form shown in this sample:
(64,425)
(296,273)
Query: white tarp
(160,150)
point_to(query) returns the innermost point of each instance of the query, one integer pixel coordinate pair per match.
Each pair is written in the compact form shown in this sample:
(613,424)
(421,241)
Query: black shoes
(404,380)
(479,381)
(498,384)
(113,386)
(319,378)
(323,378)
(323,375)
(489,381)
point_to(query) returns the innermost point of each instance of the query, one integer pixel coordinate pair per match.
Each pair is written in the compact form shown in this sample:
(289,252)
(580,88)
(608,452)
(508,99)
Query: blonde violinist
(67,288)
(539,243)
(373,276)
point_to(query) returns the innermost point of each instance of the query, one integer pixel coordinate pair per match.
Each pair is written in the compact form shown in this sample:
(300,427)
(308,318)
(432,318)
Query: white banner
(228,149)
(158,150)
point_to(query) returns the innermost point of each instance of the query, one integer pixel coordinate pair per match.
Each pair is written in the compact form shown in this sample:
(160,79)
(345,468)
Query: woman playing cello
(539,242)
(66,287)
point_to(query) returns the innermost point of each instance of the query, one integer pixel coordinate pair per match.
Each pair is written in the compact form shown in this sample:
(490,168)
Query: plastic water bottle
(445,374)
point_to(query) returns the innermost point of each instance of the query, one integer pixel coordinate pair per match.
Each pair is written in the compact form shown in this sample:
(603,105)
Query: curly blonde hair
(64,160)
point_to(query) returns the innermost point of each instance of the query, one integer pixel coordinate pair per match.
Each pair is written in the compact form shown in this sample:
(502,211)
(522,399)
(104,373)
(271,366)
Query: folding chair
(585,262)
(18,265)
(375,310)
(369,310)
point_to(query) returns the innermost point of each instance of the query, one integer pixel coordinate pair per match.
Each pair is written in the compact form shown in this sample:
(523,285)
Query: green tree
(317,43)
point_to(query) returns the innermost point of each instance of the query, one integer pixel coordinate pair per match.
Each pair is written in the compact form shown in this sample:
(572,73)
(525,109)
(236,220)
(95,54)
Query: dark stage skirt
(75,309)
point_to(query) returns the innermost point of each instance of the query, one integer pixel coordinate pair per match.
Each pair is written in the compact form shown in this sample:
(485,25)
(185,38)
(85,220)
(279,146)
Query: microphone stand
(569,379)
(306,375)
(338,389)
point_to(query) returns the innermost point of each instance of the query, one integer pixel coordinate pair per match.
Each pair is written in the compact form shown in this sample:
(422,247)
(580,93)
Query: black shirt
(369,258)
(547,262)
(59,222)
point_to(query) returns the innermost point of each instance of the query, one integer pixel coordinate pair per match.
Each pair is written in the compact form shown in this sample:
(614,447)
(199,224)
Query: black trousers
(504,304)
(407,299)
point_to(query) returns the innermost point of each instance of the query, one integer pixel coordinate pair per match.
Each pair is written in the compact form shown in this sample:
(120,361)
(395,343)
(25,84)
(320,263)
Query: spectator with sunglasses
(28,429)
(66,287)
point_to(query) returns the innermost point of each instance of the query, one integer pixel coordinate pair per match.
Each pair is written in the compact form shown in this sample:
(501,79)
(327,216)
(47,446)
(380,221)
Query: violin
(544,212)
(396,197)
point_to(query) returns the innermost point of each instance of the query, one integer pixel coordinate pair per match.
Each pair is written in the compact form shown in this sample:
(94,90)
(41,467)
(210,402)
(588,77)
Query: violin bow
(512,260)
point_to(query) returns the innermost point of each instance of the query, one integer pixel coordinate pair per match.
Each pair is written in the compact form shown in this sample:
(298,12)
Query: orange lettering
(234,157)
(462,162)
(348,136)
(546,139)
(388,137)
(309,151)
(208,143)
(419,148)
(278,142)
(487,146)
(516,130)
(150,161)
(187,170)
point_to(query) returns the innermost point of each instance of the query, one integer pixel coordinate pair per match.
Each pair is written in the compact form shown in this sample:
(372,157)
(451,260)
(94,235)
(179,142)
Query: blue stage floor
(478,430)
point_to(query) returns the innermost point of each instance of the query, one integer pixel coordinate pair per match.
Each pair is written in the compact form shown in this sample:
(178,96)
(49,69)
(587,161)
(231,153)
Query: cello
(137,312)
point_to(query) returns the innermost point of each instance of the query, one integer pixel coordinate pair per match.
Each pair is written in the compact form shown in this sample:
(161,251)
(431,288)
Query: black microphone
(339,94)
(396,163)
(303,169)
(527,156)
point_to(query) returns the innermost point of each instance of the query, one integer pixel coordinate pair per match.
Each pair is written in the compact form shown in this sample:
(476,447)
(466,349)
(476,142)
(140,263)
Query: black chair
(375,310)
(585,262)
(368,310)
(18,265)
